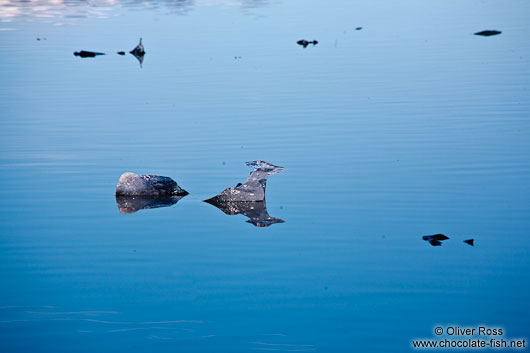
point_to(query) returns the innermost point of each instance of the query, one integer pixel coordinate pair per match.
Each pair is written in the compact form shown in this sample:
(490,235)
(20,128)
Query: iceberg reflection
(256,211)
(132,204)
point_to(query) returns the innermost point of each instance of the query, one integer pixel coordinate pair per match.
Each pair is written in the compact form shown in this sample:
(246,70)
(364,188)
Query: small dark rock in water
(435,237)
(470,242)
(87,54)
(305,43)
(358,28)
(139,50)
(121,53)
(488,33)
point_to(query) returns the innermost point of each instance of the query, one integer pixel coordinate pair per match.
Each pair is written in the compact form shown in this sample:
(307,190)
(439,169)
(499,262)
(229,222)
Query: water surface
(410,126)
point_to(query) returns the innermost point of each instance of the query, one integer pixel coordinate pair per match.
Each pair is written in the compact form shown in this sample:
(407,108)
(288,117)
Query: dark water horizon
(410,126)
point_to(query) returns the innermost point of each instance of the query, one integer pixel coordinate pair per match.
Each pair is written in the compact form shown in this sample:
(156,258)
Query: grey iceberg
(248,199)
(139,49)
(256,211)
(254,188)
(138,52)
(132,204)
(131,184)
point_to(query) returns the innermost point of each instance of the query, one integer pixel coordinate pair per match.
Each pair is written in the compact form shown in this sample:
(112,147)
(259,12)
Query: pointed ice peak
(265,167)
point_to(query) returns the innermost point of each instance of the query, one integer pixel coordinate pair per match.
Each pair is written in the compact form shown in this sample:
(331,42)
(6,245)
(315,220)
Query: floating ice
(138,52)
(131,184)
(254,188)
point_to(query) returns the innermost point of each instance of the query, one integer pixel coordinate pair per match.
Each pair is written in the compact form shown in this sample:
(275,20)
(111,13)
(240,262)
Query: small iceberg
(248,199)
(139,49)
(254,187)
(436,239)
(131,184)
(138,52)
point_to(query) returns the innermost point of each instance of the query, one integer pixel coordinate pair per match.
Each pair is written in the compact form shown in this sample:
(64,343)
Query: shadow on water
(256,211)
(132,204)
(140,58)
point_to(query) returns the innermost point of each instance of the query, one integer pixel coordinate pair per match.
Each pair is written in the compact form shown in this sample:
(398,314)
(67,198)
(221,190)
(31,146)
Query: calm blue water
(410,126)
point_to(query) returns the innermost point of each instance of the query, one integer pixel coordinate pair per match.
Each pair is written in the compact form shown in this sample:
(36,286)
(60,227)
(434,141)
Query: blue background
(410,126)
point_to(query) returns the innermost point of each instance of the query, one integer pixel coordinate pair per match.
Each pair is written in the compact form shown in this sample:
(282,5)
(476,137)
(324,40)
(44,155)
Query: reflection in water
(132,204)
(181,5)
(48,10)
(256,211)
(140,58)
